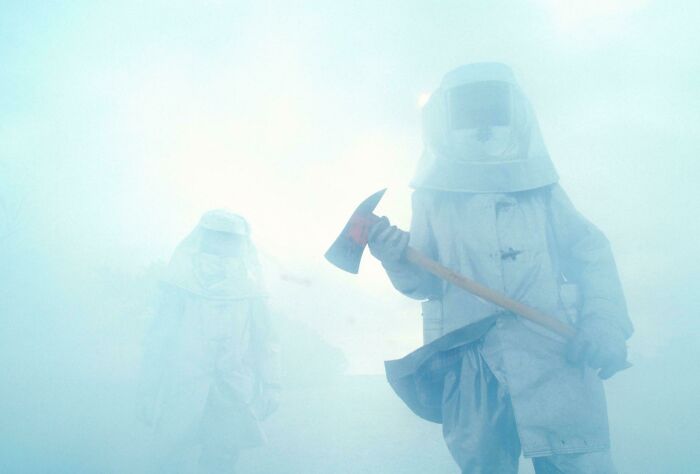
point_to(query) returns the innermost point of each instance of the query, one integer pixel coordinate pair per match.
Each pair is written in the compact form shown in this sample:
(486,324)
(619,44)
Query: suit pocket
(432,320)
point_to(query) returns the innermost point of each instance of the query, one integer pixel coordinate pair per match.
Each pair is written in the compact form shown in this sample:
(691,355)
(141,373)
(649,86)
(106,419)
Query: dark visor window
(478,105)
(221,243)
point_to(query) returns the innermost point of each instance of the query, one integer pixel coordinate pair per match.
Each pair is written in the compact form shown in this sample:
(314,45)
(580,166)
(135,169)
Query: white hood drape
(509,157)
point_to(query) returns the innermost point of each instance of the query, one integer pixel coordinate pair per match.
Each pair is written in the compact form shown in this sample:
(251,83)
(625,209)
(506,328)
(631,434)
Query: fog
(122,122)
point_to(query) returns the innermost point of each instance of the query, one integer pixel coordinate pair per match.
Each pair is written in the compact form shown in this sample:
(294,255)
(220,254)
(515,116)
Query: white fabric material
(222,220)
(214,276)
(598,462)
(479,427)
(210,351)
(520,244)
(513,158)
(204,356)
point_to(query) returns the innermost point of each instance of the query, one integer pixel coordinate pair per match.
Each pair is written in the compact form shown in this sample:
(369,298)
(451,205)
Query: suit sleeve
(170,306)
(265,343)
(406,277)
(587,260)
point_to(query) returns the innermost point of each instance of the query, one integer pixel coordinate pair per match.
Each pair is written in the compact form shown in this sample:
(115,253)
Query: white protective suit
(490,209)
(211,354)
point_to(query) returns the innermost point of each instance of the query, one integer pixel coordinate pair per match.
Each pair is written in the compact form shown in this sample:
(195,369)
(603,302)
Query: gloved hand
(599,349)
(387,242)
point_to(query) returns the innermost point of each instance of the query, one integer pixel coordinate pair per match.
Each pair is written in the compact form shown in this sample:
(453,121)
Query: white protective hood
(214,276)
(507,157)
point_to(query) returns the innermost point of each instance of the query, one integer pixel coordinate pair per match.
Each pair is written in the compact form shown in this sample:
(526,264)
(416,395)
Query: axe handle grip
(440,271)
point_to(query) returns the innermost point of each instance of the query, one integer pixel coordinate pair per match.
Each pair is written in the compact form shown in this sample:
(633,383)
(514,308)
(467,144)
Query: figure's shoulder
(422,199)
(565,215)
(432,197)
(421,195)
(556,192)
(536,199)
(551,196)
(558,200)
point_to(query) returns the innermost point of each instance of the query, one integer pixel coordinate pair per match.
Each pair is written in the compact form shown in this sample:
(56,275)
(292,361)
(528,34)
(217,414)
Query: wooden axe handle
(431,266)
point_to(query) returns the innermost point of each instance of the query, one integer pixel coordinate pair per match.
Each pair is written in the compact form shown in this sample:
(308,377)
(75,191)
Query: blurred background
(122,122)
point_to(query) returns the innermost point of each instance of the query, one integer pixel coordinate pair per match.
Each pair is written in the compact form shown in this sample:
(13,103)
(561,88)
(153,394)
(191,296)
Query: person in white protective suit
(210,370)
(487,205)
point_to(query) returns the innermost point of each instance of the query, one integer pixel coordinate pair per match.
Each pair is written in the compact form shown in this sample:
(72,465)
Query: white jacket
(525,245)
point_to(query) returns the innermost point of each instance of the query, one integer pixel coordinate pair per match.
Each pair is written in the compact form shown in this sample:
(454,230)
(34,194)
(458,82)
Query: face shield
(481,135)
(217,259)
(480,119)
(480,106)
(223,244)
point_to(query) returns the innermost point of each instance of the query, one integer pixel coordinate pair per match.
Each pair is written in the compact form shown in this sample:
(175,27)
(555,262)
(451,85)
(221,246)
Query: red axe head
(346,251)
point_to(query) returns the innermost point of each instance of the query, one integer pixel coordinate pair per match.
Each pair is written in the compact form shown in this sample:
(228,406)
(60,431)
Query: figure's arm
(587,260)
(265,344)
(155,349)
(406,277)
(266,348)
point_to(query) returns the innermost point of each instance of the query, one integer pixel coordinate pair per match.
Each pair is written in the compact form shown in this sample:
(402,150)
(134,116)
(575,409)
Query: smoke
(121,123)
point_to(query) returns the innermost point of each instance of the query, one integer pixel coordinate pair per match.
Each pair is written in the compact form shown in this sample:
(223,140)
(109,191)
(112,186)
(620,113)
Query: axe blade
(346,252)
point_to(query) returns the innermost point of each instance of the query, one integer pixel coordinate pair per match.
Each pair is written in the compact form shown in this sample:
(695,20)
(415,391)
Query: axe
(346,253)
